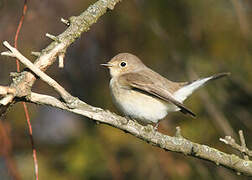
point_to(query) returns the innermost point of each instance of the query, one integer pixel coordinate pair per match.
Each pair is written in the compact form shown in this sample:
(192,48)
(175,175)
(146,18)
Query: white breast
(138,105)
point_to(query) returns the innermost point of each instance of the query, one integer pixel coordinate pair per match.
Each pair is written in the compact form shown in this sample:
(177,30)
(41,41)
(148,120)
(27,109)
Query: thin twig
(52,37)
(7,99)
(243,145)
(61,60)
(66,22)
(178,132)
(242,148)
(15,53)
(37,54)
(7,90)
(24,104)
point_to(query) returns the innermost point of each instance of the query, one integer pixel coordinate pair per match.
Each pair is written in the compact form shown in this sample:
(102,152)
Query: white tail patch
(181,94)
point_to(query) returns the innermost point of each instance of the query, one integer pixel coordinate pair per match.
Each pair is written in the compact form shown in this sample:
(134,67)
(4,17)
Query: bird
(146,96)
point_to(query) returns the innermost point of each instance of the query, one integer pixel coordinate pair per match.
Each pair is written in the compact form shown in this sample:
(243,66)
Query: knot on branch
(22,88)
(178,132)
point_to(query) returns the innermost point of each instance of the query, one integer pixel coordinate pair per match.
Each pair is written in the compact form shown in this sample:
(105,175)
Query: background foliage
(180,39)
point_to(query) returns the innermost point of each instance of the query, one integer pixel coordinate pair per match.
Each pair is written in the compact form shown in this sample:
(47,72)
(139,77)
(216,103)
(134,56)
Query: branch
(146,133)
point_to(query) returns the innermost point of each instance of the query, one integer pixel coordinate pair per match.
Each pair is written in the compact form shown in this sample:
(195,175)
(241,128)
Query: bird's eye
(123,64)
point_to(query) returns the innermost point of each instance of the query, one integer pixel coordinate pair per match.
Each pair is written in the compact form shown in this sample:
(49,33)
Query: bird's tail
(188,89)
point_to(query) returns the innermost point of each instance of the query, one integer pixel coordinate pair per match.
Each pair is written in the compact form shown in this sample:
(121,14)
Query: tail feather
(188,89)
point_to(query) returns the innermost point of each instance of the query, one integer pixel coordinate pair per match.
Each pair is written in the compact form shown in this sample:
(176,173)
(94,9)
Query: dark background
(181,40)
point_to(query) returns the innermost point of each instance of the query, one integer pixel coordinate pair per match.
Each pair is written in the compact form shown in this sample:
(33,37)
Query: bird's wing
(152,87)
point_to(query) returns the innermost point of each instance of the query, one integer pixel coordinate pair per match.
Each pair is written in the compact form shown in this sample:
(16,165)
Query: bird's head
(124,63)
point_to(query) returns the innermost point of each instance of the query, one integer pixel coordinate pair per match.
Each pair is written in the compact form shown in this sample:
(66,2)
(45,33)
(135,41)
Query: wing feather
(152,87)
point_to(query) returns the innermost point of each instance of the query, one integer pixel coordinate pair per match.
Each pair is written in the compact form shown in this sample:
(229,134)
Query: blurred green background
(181,40)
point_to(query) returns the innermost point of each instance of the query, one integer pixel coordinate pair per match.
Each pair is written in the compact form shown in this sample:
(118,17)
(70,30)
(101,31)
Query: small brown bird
(145,95)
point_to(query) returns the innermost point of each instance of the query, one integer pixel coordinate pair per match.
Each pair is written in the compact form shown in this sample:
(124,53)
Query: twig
(66,22)
(178,132)
(61,57)
(7,99)
(242,148)
(243,144)
(7,90)
(24,103)
(54,38)
(37,54)
(15,53)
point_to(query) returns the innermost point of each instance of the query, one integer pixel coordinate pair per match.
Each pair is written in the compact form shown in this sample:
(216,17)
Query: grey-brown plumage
(147,82)
(143,94)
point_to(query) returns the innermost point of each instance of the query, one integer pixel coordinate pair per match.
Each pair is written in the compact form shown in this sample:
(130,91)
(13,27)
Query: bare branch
(147,133)
(15,53)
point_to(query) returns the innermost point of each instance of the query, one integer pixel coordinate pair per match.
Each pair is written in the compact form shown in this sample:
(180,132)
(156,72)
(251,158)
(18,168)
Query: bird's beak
(107,65)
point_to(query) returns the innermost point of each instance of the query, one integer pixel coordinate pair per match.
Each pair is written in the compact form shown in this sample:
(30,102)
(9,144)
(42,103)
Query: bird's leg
(156,126)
